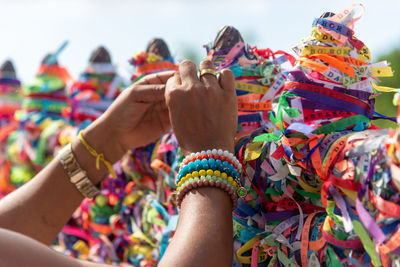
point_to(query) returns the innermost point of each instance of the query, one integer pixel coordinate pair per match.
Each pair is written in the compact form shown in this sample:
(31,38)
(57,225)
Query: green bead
(101,200)
(242,192)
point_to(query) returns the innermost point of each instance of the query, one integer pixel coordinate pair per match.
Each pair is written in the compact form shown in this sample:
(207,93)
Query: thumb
(227,80)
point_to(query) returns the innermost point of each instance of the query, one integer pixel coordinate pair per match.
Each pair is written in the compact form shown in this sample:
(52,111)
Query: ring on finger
(208,71)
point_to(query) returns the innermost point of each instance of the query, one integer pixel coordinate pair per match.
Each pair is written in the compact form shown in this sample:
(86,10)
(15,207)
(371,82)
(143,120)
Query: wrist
(88,162)
(102,139)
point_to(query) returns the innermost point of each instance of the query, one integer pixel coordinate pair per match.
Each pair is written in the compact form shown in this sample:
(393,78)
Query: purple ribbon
(279,215)
(369,223)
(299,76)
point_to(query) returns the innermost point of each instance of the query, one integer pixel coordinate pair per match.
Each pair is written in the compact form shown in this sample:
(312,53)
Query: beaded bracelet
(234,181)
(205,164)
(215,168)
(205,181)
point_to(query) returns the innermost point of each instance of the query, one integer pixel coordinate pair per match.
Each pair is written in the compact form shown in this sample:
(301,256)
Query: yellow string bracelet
(99,157)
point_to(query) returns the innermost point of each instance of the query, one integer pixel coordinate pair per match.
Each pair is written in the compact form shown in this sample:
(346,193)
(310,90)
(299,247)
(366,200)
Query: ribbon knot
(99,156)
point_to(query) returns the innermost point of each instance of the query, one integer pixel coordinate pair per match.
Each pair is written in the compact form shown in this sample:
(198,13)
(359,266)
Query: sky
(30,29)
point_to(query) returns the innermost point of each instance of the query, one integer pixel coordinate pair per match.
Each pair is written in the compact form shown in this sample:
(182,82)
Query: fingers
(209,80)
(173,86)
(227,80)
(157,78)
(188,72)
(151,88)
(147,92)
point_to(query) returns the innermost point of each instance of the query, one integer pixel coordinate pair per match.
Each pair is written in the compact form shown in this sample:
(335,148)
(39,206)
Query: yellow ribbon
(99,157)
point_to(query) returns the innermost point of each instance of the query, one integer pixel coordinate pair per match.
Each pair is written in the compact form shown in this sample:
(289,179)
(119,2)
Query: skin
(203,113)
(34,253)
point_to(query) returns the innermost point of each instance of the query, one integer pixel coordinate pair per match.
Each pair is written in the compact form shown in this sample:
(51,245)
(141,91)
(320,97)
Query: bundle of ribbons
(95,89)
(31,145)
(10,102)
(321,181)
(156,58)
(131,221)
(47,93)
(10,93)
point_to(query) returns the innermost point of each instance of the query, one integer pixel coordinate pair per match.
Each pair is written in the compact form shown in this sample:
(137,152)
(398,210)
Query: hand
(136,118)
(203,112)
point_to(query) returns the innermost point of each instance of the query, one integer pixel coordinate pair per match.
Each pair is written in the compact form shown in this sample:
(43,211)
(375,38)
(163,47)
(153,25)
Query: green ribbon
(341,124)
(367,242)
(44,84)
(267,137)
(331,258)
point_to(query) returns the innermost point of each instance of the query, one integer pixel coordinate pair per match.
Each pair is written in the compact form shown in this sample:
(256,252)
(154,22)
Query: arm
(19,250)
(40,208)
(204,235)
(203,114)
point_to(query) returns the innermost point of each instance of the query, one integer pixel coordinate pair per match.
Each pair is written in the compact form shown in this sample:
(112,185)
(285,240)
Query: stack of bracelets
(211,168)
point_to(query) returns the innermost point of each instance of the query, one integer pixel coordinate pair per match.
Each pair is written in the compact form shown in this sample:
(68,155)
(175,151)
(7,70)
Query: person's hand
(203,112)
(136,118)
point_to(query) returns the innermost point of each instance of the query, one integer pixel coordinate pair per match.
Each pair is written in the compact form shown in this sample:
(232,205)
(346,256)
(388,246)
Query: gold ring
(208,71)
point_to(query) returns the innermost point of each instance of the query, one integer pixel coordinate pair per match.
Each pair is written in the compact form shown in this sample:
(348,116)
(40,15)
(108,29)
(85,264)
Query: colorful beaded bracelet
(222,165)
(215,153)
(238,167)
(234,181)
(207,181)
(206,164)
(207,157)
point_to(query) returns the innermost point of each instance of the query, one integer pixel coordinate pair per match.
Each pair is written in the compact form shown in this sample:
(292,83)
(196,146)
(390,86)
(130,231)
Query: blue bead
(225,164)
(192,167)
(183,170)
(233,170)
(204,163)
(211,163)
(197,163)
(228,171)
(219,164)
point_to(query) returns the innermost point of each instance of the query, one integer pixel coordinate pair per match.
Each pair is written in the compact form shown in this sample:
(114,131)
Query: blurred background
(30,29)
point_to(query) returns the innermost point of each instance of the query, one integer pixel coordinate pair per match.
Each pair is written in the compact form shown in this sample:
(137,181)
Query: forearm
(18,250)
(204,236)
(40,208)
